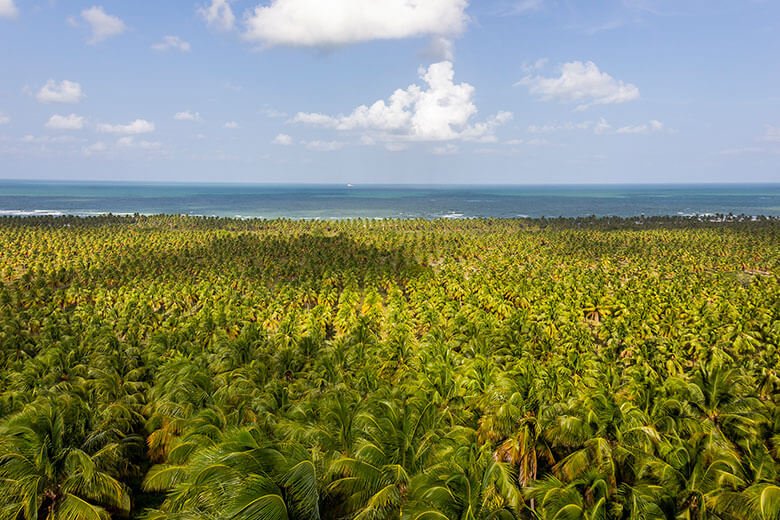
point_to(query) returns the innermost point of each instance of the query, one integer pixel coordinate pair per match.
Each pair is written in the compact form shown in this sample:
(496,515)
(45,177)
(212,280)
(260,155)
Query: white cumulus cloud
(8,9)
(187,115)
(441,48)
(218,14)
(102,24)
(440,112)
(70,122)
(583,83)
(63,92)
(317,23)
(283,140)
(172,43)
(139,126)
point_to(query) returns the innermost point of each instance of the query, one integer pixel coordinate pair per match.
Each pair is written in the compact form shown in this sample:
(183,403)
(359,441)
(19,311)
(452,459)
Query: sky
(391,91)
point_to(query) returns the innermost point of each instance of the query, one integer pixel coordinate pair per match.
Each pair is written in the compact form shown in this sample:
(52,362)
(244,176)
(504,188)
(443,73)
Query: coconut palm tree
(241,477)
(468,484)
(757,502)
(695,472)
(374,482)
(45,470)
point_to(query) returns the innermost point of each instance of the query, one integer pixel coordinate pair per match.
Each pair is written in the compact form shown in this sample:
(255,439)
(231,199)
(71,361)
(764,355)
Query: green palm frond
(300,483)
(71,507)
(164,477)
(757,502)
(258,499)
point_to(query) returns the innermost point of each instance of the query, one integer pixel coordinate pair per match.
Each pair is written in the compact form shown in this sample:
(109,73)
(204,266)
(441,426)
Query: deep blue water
(374,201)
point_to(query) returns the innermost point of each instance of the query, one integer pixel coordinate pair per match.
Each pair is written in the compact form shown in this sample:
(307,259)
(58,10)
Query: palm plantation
(188,368)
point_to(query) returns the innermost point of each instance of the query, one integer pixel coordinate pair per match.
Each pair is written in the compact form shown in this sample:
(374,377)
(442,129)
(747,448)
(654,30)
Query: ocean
(384,201)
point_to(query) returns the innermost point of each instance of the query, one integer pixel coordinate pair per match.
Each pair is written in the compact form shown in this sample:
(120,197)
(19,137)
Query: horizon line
(383,184)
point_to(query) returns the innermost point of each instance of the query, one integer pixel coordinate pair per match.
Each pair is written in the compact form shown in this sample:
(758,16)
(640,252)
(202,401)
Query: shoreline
(704,218)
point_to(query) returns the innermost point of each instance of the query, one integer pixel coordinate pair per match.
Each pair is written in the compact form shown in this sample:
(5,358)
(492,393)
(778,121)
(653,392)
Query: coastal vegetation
(184,368)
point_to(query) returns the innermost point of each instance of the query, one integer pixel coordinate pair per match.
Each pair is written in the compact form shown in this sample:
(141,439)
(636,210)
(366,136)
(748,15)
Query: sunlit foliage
(181,368)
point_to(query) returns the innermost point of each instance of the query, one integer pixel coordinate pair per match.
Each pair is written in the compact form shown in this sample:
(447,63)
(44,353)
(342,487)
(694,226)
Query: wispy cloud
(325,146)
(69,122)
(139,126)
(187,115)
(272,113)
(648,128)
(519,7)
(172,43)
(8,9)
(446,149)
(283,140)
(218,14)
(744,150)
(132,142)
(93,149)
(772,134)
(549,128)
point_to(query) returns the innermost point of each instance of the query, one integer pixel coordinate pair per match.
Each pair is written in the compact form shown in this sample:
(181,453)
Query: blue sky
(391,91)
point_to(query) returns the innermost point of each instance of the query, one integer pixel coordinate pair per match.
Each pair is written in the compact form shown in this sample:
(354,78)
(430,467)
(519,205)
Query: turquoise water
(375,201)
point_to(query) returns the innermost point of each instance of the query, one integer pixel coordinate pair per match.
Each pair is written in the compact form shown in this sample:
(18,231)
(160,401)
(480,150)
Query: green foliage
(177,368)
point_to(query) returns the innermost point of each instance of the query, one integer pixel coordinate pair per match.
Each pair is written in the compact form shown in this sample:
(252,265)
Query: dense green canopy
(186,368)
